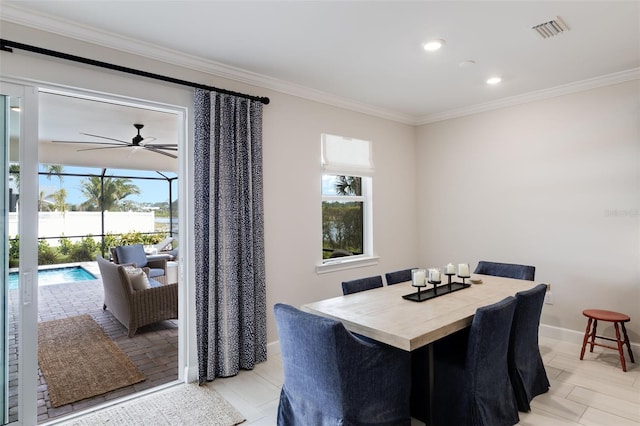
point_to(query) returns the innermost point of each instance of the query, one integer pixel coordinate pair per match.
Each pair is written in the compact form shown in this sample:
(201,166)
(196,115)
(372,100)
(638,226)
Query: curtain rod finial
(4,47)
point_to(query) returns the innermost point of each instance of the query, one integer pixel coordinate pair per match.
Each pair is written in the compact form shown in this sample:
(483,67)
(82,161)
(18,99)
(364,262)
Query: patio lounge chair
(135,254)
(161,248)
(136,308)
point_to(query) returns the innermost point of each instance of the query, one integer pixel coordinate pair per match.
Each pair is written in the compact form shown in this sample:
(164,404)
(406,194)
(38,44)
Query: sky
(151,191)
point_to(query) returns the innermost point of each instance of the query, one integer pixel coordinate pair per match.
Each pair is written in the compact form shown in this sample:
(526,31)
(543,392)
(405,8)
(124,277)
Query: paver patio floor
(153,349)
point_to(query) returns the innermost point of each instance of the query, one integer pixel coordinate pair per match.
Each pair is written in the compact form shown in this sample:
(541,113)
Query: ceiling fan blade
(157,151)
(104,137)
(104,147)
(91,143)
(165,147)
(146,140)
(85,142)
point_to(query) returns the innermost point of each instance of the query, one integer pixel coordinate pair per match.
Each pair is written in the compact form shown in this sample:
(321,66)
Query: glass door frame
(28,214)
(28,281)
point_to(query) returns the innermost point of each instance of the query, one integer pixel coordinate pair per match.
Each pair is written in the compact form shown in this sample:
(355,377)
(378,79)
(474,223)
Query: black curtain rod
(7,46)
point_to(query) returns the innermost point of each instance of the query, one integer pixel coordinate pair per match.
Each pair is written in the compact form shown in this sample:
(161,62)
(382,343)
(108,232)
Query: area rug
(183,405)
(78,360)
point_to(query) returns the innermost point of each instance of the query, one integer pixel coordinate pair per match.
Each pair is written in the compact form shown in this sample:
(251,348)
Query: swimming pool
(66,274)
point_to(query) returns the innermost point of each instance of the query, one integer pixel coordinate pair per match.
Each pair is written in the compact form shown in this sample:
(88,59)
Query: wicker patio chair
(136,308)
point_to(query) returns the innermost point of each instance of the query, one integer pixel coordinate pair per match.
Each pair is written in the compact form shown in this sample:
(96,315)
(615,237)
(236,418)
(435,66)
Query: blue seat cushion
(133,253)
(153,283)
(156,272)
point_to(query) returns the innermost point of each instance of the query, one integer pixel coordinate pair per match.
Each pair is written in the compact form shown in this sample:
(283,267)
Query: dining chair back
(526,370)
(472,385)
(361,284)
(398,276)
(507,270)
(333,377)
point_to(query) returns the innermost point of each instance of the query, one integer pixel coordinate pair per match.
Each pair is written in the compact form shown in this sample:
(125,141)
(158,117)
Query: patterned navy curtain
(229,235)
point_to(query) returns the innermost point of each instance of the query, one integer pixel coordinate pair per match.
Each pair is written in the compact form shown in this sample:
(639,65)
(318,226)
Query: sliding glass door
(18,172)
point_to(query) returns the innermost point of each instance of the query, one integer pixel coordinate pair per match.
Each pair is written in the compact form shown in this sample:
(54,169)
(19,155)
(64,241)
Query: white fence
(54,224)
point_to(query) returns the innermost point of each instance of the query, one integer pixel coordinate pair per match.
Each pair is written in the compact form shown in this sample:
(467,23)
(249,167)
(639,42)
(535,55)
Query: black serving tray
(432,293)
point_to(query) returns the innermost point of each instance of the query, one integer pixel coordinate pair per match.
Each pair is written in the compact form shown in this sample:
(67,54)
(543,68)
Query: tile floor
(591,392)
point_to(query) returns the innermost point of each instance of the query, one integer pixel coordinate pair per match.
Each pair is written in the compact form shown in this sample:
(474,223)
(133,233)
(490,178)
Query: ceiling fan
(136,142)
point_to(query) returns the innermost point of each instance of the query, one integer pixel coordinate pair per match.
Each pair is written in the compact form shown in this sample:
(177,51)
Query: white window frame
(367,258)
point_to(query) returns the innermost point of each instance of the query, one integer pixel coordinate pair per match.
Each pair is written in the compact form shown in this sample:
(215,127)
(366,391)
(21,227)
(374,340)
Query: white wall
(54,224)
(291,139)
(554,184)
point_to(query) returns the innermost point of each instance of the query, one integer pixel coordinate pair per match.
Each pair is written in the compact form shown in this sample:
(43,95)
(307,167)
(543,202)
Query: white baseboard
(567,335)
(191,374)
(273,348)
(560,333)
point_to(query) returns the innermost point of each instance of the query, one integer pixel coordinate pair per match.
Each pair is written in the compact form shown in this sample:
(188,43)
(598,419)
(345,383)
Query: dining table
(384,315)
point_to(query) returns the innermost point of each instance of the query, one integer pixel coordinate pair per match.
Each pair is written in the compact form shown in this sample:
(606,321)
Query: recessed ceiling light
(433,45)
(467,64)
(494,80)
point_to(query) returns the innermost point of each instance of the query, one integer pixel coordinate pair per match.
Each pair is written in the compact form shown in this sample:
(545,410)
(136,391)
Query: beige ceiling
(366,54)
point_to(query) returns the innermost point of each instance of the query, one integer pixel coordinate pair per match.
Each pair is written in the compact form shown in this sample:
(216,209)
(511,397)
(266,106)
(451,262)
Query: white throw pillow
(138,279)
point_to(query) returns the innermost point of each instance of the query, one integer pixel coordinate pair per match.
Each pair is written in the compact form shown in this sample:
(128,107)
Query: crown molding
(17,15)
(574,87)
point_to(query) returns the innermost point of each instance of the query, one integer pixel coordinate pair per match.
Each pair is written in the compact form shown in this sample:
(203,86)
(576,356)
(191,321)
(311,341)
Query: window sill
(342,264)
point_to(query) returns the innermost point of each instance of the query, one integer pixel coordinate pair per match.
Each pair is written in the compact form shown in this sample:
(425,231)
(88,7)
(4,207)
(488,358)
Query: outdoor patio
(154,348)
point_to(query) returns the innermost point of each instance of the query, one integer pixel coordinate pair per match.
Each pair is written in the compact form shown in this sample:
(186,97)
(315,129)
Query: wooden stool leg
(626,340)
(593,334)
(586,338)
(620,348)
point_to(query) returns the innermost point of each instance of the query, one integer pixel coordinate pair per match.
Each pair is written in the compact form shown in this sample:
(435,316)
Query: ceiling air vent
(551,28)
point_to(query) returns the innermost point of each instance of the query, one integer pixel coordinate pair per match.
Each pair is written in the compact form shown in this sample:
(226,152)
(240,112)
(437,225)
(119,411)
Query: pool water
(56,276)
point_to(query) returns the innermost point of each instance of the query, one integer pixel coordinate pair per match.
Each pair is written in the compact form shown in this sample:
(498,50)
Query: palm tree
(348,185)
(14,170)
(44,205)
(115,190)
(60,200)
(59,197)
(55,169)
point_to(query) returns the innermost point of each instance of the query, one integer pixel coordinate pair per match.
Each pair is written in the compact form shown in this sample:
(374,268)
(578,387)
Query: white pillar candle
(434,275)
(463,270)
(451,269)
(419,276)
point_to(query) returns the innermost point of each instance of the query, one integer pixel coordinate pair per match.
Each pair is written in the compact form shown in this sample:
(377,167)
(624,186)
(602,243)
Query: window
(346,199)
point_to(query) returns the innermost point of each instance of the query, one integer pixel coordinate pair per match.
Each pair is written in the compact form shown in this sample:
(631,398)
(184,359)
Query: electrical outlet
(548,298)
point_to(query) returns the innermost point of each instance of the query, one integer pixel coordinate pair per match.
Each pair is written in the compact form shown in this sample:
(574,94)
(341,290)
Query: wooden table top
(382,314)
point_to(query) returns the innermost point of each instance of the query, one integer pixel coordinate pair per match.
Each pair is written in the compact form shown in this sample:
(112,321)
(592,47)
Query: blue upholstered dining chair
(332,377)
(361,284)
(528,376)
(472,385)
(398,276)
(507,270)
